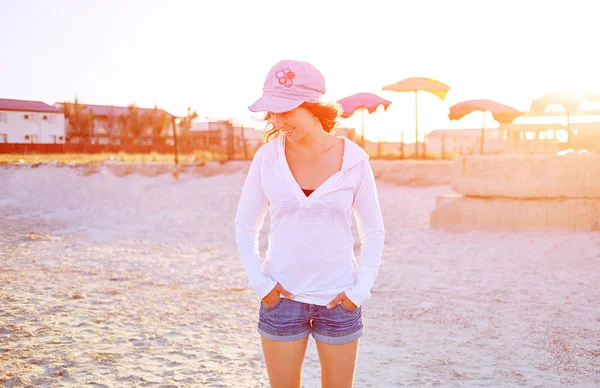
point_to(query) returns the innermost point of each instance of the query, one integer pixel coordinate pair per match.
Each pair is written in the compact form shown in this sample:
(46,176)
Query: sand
(109,281)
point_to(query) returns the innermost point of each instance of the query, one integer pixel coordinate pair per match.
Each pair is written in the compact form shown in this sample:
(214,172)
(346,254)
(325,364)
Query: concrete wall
(407,173)
(528,176)
(521,193)
(457,213)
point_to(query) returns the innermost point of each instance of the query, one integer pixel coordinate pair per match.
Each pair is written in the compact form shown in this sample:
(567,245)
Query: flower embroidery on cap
(285,77)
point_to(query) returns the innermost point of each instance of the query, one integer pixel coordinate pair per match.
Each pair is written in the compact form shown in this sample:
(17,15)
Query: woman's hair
(328,114)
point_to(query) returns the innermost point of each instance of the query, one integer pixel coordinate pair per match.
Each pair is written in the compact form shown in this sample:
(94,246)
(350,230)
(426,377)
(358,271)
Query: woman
(311,182)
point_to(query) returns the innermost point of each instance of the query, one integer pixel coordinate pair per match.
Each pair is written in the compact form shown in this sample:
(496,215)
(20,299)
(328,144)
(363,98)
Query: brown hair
(328,114)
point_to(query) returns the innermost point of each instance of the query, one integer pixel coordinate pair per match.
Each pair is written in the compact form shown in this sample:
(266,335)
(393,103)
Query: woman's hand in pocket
(273,297)
(344,300)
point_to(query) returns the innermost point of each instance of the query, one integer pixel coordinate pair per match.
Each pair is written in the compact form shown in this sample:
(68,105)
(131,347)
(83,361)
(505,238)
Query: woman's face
(294,124)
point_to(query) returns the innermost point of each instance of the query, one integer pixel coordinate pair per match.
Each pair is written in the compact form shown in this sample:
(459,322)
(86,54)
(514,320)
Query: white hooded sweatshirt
(310,250)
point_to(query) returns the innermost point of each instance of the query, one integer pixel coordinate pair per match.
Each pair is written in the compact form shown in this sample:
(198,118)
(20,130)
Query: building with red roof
(24,121)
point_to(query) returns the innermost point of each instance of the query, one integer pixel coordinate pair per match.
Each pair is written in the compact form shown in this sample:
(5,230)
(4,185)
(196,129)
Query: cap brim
(274,104)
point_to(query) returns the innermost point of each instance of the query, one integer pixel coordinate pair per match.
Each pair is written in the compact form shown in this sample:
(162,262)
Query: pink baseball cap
(289,84)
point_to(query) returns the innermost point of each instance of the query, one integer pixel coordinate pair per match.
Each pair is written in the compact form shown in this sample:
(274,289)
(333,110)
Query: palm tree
(133,124)
(185,123)
(110,124)
(158,120)
(80,120)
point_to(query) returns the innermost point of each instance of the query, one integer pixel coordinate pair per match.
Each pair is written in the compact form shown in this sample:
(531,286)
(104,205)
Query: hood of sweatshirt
(353,156)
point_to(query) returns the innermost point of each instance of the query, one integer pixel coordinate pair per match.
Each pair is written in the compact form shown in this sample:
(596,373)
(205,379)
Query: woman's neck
(313,142)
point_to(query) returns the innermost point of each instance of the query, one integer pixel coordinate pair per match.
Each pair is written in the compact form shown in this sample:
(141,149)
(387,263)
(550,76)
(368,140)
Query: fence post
(173,118)
(230,142)
(244,145)
(443,147)
(402,146)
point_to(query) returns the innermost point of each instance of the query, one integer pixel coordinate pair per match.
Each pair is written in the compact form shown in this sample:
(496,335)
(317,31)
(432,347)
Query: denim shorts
(289,320)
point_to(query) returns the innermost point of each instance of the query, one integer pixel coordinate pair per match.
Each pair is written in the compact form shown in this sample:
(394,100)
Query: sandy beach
(134,281)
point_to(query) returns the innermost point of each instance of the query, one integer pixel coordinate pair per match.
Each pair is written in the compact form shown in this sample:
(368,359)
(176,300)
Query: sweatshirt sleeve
(371,231)
(249,219)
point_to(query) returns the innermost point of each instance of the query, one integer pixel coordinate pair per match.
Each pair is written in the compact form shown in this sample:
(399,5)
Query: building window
(3,117)
(29,117)
(48,118)
(3,137)
(32,138)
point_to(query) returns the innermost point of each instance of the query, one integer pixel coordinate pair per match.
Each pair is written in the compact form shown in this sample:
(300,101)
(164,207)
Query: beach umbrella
(362,101)
(416,84)
(503,114)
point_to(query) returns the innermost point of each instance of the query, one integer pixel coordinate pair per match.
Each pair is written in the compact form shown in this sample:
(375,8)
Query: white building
(463,141)
(216,132)
(24,121)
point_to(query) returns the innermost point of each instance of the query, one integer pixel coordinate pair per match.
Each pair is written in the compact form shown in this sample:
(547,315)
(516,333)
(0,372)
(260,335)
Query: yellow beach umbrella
(416,84)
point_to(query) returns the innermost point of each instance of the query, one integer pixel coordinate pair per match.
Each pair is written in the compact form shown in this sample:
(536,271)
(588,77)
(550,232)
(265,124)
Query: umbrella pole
(402,146)
(362,111)
(482,134)
(416,126)
(569,137)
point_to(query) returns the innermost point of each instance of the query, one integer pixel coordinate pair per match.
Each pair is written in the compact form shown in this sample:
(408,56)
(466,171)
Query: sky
(213,56)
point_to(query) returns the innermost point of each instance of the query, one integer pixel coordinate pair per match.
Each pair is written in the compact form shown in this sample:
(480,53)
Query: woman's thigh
(338,363)
(284,361)
(337,332)
(284,329)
